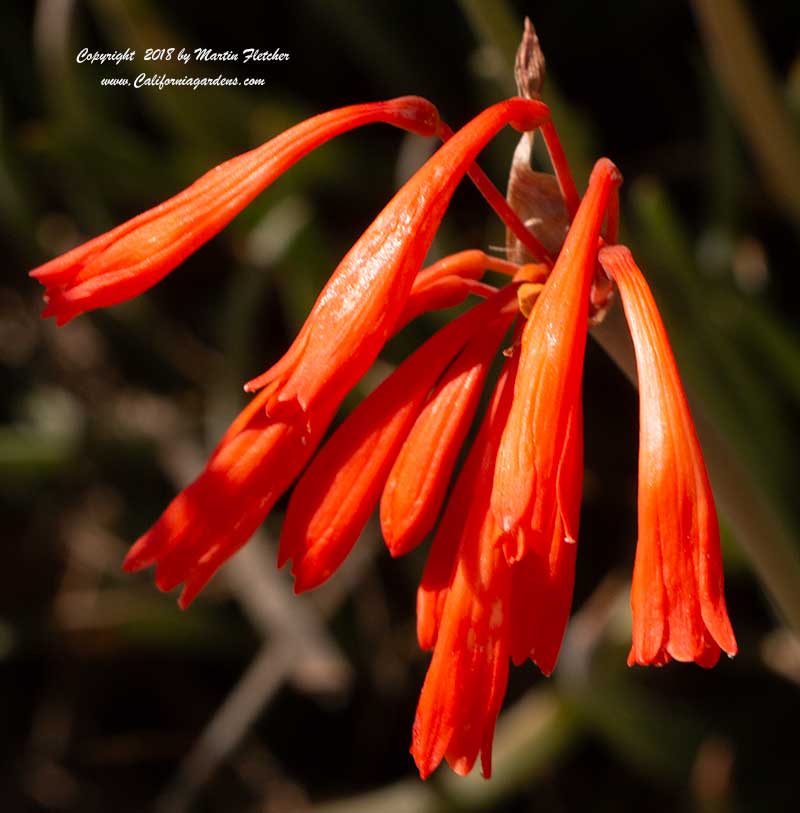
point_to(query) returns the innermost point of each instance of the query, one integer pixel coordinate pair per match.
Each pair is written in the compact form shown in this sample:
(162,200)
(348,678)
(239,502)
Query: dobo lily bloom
(463,612)
(360,305)
(677,598)
(529,474)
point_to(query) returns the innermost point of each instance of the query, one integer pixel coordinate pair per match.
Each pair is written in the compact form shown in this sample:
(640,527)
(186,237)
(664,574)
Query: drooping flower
(417,483)
(463,613)
(530,473)
(677,597)
(542,580)
(252,466)
(450,280)
(134,256)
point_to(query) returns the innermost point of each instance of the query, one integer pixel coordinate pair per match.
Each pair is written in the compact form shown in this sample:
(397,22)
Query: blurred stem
(744,72)
(758,530)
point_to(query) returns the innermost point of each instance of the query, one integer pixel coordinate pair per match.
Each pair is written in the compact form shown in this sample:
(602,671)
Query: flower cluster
(498,582)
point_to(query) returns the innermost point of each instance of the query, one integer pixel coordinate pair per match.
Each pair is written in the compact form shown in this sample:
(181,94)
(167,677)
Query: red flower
(133,257)
(254,463)
(463,610)
(416,486)
(363,301)
(530,471)
(542,580)
(677,598)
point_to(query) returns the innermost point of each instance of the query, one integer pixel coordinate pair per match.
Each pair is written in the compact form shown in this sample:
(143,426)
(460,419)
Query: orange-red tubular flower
(541,583)
(131,258)
(436,577)
(417,483)
(335,496)
(465,598)
(530,470)
(677,597)
(254,463)
(361,304)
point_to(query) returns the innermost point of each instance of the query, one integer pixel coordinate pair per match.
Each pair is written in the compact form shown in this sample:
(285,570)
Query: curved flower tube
(542,582)
(354,315)
(133,257)
(212,518)
(498,582)
(416,486)
(450,280)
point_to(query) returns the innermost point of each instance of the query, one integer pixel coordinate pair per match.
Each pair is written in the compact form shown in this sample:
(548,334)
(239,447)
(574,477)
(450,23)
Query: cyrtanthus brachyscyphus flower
(678,599)
(499,578)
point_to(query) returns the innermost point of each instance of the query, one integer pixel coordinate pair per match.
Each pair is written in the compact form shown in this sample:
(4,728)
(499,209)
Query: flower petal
(542,582)
(417,483)
(215,515)
(479,465)
(448,281)
(467,677)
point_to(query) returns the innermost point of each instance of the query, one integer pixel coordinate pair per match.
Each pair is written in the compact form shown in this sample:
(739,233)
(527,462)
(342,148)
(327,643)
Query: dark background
(113,699)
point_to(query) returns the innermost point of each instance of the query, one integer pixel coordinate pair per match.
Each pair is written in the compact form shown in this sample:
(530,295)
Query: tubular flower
(254,463)
(417,483)
(133,257)
(463,606)
(542,581)
(530,473)
(677,597)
